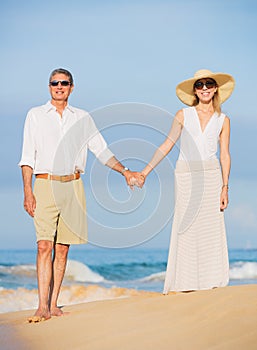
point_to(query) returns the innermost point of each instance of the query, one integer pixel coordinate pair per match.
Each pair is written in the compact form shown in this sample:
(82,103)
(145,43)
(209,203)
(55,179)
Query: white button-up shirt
(58,145)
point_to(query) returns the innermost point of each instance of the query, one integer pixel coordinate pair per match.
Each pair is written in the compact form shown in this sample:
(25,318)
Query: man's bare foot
(40,315)
(36,319)
(56,311)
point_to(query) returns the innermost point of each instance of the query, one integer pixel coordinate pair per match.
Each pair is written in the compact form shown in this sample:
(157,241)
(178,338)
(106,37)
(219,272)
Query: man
(56,139)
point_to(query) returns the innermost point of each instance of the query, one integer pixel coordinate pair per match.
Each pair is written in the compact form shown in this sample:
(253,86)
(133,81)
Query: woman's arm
(225,162)
(167,145)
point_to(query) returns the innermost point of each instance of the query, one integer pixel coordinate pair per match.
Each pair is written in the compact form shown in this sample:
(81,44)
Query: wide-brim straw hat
(185,90)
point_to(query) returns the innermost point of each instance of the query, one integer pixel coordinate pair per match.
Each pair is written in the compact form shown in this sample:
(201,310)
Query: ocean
(97,274)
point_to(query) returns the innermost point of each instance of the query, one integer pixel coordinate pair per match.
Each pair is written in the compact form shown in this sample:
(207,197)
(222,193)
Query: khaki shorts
(60,214)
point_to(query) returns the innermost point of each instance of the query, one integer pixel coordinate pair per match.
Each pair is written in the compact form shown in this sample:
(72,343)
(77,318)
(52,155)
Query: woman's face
(205,89)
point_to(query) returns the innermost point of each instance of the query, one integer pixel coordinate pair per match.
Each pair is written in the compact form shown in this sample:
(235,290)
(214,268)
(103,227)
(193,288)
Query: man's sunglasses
(62,82)
(209,84)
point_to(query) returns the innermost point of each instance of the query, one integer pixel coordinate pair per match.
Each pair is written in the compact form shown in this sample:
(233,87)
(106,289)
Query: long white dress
(198,255)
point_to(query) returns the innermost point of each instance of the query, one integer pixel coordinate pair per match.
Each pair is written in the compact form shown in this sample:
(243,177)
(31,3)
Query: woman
(198,256)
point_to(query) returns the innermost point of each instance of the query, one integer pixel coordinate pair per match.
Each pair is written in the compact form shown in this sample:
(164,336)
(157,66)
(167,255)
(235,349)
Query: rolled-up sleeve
(97,144)
(28,149)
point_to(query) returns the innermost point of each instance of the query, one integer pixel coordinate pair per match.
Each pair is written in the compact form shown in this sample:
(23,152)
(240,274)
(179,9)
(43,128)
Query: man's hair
(62,71)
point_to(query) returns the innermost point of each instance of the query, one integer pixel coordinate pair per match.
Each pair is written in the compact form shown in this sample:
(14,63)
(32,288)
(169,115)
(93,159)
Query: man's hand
(134,178)
(29,199)
(30,203)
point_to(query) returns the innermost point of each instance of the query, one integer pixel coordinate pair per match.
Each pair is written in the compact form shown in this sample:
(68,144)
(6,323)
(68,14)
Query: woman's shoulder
(223,115)
(225,123)
(224,118)
(180,116)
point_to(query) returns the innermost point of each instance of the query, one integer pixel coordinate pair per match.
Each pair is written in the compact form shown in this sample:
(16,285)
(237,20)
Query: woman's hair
(215,99)
(216,102)
(62,71)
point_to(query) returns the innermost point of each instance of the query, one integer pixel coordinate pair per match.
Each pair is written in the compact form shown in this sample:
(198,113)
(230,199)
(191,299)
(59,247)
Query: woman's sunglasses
(209,84)
(62,82)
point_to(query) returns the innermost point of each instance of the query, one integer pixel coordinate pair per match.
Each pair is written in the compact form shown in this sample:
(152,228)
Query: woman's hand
(134,178)
(224,198)
(138,180)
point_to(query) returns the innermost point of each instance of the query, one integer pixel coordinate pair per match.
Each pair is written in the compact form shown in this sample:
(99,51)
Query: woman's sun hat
(185,90)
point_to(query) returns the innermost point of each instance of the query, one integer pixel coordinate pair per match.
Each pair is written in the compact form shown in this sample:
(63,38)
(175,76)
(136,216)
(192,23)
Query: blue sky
(136,52)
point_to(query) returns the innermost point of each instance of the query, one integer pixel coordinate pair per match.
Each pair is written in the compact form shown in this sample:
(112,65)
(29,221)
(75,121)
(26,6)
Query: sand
(222,318)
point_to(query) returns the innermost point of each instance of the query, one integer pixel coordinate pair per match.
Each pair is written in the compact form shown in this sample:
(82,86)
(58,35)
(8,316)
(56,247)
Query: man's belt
(61,178)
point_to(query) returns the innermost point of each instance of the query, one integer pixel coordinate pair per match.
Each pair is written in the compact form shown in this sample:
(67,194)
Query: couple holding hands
(198,255)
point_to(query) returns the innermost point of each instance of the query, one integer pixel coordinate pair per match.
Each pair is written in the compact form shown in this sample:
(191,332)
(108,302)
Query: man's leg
(59,266)
(44,275)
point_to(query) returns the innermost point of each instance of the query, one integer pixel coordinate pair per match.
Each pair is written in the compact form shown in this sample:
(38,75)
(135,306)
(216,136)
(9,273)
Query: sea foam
(155,277)
(243,270)
(24,299)
(75,271)
(79,272)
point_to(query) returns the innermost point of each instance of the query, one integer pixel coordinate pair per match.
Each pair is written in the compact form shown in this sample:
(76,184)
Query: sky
(127,58)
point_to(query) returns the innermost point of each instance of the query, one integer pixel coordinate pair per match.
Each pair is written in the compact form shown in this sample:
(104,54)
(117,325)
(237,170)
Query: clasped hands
(134,178)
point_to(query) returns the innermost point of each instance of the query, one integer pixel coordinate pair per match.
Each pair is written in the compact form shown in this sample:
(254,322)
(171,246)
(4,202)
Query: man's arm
(98,146)
(29,199)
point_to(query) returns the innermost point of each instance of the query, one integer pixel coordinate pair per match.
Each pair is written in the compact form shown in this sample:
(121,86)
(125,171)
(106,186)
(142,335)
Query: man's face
(61,89)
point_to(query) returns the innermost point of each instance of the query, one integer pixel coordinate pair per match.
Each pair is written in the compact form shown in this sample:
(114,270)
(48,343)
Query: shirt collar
(49,107)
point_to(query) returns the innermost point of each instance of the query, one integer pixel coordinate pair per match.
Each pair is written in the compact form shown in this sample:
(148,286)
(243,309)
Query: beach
(222,318)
